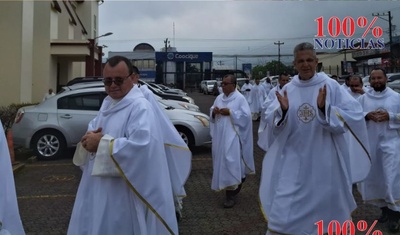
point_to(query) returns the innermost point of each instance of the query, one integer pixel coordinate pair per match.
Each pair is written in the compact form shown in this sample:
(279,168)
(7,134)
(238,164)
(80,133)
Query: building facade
(182,70)
(45,44)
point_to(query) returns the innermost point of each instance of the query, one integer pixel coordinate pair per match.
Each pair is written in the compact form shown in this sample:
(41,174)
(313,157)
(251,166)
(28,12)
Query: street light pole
(279,43)
(392,62)
(91,68)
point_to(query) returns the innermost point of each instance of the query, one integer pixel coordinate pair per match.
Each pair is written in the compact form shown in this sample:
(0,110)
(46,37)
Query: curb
(17,166)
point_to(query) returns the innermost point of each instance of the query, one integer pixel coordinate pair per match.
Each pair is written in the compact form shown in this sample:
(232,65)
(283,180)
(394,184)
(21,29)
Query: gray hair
(304,46)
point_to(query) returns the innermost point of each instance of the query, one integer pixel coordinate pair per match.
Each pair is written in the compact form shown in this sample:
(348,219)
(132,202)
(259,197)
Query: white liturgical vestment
(9,213)
(382,186)
(140,200)
(306,174)
(232,141)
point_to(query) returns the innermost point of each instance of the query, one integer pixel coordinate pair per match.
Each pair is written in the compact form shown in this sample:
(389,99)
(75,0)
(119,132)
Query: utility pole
(166,60)
(279,43)
(392,61)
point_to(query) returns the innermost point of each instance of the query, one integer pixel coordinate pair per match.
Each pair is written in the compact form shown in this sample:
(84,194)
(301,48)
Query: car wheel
(48,144)
(186,135)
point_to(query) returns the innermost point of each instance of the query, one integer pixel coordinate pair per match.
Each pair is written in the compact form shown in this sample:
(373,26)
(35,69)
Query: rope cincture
(352,132)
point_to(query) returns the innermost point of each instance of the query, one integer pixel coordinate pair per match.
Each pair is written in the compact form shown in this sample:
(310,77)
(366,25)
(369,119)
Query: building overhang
(78,50)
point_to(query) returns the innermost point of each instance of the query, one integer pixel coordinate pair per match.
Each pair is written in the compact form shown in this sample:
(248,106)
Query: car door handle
(66,116)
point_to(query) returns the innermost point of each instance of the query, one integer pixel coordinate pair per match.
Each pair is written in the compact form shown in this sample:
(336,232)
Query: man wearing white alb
(9,213)
(257,97)
(382,111)
(356,88)
(267,86)
(264,131)
(246,89)
(125,186)
(179,156)
(232,141)
(306,174)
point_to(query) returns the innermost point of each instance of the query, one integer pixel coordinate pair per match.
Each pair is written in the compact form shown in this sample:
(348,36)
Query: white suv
(207,86)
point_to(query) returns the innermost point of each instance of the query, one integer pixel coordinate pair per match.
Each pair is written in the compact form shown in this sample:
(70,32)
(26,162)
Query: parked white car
(207,86)
(58,123)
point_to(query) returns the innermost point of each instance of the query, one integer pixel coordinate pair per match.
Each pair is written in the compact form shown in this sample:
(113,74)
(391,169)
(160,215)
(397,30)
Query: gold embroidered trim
(178,147)
(123,176)
(240,142)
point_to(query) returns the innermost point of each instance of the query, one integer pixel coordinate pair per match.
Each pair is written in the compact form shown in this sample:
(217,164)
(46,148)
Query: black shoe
(394,226)
(384,215)
(178,215)
(383,218)
(229,203)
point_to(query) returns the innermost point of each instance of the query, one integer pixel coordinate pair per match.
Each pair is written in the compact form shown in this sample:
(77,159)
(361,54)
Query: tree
(273,67)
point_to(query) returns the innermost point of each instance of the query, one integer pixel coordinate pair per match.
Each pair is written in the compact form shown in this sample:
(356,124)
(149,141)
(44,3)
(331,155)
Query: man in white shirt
(48,95)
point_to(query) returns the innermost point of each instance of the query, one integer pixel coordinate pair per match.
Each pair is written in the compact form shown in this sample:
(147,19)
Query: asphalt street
(46,192)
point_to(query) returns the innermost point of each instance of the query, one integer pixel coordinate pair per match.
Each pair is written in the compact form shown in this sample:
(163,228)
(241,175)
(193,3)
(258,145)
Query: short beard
(380,89)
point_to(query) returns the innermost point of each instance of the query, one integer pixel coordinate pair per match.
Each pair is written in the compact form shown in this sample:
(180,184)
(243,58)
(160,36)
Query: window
(89,101)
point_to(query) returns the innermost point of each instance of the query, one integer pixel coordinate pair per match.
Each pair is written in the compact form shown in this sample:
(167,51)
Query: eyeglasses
(226,83)
(117,80)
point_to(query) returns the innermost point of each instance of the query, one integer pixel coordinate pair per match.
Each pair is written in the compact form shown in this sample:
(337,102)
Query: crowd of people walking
(321,139)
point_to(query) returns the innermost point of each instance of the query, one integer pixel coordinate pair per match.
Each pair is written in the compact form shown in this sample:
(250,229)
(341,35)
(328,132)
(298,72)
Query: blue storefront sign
(247,68)
(148,75)
(191,57)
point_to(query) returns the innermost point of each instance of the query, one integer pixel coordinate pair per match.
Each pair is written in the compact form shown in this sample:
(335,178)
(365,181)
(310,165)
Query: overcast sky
(229,27)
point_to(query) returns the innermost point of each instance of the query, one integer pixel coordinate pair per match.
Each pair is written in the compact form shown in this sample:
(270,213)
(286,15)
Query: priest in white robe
(264,131)
(267,86)
(246,90)
(232,141)
(125,186)
(179,156)
(306,174)
(381,188)
(257,97)
(356,87)
(9,213)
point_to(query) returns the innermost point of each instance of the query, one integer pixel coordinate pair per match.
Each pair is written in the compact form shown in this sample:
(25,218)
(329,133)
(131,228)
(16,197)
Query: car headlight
(184,106)
(189,99)
(203,120)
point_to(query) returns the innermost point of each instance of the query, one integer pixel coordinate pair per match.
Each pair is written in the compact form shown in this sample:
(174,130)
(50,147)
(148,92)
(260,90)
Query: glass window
(90,101)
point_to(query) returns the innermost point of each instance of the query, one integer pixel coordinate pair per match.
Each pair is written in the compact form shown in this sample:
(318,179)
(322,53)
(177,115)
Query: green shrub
(8,113)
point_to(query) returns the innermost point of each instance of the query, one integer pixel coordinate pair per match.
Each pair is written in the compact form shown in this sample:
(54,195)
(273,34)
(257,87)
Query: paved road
(46,193)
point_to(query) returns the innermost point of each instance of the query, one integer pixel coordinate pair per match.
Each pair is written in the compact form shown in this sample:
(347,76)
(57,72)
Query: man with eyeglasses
(232,140)
(307,174)
(125,186)
(10,220)
(178,154)
(381,188)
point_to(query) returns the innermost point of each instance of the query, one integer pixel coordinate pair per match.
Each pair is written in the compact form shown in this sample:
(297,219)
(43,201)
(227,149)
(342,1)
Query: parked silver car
(58,123)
